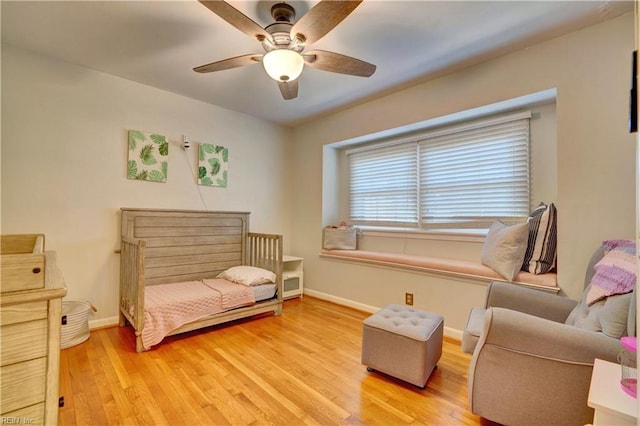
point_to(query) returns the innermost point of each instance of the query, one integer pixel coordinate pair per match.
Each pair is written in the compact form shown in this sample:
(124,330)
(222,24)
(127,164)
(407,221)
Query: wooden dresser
(30,314)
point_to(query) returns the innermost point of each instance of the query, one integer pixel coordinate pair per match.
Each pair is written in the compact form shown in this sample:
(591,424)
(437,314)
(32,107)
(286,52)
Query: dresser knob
(36,270)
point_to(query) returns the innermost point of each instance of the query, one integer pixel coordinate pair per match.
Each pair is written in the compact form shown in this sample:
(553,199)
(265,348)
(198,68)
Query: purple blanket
(615,273)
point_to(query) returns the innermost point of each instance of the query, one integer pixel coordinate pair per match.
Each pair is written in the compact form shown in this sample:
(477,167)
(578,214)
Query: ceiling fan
(284,42)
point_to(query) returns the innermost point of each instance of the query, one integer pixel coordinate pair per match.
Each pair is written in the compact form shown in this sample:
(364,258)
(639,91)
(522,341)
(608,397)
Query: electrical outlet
(408,298)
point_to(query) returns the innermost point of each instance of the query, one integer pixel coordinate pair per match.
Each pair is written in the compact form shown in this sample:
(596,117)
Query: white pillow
(248,275)
(504,248)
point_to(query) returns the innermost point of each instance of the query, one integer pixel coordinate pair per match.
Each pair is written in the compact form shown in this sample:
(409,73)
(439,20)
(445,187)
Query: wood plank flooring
(299,368)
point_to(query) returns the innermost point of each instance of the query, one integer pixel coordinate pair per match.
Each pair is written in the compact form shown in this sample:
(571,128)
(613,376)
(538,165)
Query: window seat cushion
(464,268)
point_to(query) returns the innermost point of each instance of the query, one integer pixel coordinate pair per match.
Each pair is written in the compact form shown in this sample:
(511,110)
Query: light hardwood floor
(299,368)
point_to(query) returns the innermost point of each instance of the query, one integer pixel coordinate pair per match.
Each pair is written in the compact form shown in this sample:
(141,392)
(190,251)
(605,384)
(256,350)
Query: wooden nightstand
(293,277)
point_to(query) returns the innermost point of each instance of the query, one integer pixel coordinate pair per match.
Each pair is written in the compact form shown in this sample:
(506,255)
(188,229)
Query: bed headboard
(183,245)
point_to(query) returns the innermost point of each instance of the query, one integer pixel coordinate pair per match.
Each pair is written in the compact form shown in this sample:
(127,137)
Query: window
(384,185)
(463,176)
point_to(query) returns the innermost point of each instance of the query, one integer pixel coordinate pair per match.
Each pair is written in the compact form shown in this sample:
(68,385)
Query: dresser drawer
(23,312)
(32,415)
(22,272)
(23,341)
(23,384)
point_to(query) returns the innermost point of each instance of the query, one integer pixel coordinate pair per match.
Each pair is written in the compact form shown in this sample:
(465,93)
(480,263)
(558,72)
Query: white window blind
(476,174)
(463,176)
(383,185)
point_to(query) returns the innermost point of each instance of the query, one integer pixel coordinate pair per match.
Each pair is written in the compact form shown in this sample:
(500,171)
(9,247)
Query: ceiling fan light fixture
(283,64)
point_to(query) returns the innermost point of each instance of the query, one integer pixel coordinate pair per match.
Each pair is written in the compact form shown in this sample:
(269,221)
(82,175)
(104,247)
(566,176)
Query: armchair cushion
(609,315)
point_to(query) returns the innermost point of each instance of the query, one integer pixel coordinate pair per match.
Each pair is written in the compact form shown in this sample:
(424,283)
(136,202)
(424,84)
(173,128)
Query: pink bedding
(169,306)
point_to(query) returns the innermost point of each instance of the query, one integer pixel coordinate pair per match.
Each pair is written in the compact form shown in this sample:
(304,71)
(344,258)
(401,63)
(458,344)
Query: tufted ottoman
(402,342)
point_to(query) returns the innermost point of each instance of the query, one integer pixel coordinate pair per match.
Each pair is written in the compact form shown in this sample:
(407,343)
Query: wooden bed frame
(170,246)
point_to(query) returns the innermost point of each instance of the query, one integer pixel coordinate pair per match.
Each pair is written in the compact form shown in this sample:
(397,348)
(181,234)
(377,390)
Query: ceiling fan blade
(237,19)
(321,19)
(335,62)
(289,89)
(225,64)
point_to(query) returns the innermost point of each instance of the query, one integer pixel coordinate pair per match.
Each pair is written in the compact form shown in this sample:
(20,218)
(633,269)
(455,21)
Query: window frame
(422,139)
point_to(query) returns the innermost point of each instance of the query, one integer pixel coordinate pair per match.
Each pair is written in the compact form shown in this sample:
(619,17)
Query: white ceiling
(159,42)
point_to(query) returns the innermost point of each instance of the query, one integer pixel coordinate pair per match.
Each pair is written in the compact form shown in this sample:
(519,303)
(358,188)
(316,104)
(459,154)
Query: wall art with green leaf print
(213,165)
(148,155)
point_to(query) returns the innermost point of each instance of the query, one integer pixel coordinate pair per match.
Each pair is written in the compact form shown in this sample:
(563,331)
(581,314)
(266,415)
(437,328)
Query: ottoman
(402,342)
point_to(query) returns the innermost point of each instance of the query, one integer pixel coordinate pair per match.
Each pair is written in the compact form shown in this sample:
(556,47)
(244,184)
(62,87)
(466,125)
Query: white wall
(595,161)
(64,155)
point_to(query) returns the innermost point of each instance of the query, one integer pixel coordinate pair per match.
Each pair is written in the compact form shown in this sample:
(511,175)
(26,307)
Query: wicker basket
(340,238)
(75,323)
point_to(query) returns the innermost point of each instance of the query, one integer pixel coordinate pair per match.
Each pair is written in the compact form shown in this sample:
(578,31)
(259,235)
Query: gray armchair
(533,352)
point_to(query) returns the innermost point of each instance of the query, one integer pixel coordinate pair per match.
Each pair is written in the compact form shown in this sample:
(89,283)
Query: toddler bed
(181,270)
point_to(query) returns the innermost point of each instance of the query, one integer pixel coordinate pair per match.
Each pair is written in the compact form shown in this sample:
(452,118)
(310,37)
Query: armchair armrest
(533,302)
(536,337)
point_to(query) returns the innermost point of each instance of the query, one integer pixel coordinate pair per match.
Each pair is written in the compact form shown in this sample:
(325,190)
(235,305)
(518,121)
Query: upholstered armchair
(533,352)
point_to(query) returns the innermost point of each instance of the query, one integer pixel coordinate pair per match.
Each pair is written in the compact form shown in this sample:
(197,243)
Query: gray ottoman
(402,342)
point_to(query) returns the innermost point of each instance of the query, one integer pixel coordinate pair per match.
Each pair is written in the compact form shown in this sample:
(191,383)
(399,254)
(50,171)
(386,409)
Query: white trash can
(75,322)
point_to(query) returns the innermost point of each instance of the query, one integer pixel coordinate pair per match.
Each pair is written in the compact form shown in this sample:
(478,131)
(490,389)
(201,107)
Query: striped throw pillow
(540,256)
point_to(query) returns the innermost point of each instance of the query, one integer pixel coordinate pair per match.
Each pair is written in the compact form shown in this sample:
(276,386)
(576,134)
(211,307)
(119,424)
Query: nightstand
(292,276)
(611,404)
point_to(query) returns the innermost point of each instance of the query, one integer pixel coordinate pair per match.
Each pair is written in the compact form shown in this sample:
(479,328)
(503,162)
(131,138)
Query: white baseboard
(341,301)
(104,322)
(448,331)
(453,333)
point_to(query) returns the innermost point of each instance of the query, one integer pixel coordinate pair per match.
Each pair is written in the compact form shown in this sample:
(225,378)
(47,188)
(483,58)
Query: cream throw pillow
(504,248)
(248,275)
